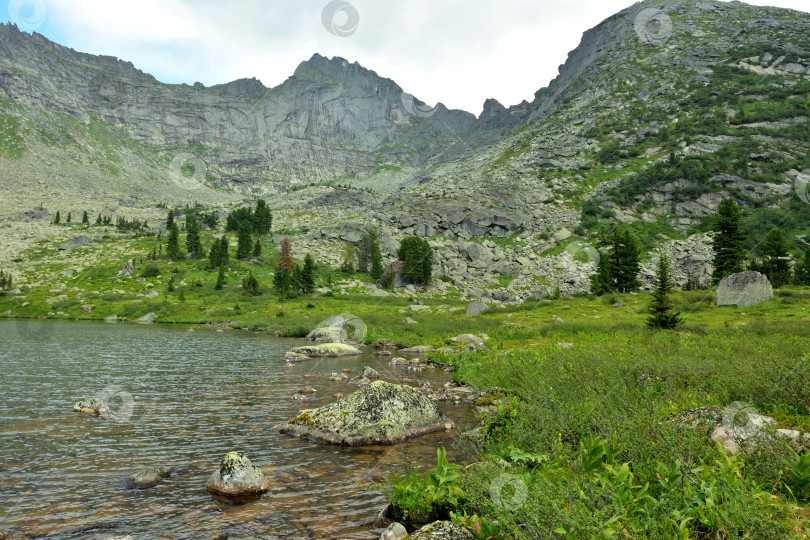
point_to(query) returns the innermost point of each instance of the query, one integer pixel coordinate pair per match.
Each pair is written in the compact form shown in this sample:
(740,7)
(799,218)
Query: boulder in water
(150,477)
(91,405)
(744,289)
(380,413)
(327,349)
(237,477)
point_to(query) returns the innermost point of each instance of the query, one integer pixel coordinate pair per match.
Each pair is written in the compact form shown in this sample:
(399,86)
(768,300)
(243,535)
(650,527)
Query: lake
(183,399)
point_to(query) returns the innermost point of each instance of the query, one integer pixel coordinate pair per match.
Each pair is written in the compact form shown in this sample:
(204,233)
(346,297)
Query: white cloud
(460,52)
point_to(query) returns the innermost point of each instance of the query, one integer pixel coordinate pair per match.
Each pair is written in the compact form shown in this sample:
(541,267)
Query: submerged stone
(92,405)
(327,349)
(380,413)
(150,477)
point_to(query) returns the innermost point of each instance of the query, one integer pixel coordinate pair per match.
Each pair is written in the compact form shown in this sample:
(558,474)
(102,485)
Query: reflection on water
(183,399)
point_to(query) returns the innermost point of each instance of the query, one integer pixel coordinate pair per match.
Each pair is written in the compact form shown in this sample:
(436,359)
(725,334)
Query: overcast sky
(459,52)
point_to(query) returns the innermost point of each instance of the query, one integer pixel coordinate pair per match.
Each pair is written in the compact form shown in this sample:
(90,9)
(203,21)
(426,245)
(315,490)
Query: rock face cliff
(330,119)
(664,109)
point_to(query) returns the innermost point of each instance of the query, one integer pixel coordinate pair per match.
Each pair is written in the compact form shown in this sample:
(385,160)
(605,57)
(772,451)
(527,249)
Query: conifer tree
(803,272)
(170,219)
(193,245)
(250,285)
(214,258)
(224,251)
(619,262)
(262,218)
(282,280)
(98,220)
(173,242)
(57,219)
(776,264)
(244,242)
(662,309)
(349,252)
(377,269)
(417,260)
(729,253)
(68,218)
(85,218)
(308,274)
(257,249)
(220,278)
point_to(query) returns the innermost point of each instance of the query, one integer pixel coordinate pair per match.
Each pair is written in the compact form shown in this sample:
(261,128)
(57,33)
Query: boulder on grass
(327,349)
(380,413)
(476,308)
(237,477)
(328,334)
(744,289)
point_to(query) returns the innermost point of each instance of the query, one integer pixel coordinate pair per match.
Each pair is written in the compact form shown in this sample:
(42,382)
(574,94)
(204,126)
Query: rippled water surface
(183,399)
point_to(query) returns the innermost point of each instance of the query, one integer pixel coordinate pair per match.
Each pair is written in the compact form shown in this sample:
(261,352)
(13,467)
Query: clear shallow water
(183,399)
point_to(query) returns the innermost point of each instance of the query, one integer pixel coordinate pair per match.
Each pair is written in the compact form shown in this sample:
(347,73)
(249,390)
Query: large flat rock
(380,413)
(327,349)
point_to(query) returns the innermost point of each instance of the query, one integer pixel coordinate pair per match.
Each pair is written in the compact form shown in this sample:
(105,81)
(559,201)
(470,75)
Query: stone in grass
(150,477)
(441,530)
(237,477)
(327,349)
(90,406)
(744,289)
(380,413)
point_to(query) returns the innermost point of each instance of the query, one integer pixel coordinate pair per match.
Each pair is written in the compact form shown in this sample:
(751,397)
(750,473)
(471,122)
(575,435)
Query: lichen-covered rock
(468,340)
(150,477)
(327,349)
(371,373)
(91,405)
(294,358)
(380,413)
(441,530)
(395,531)
(328,334)
(236,476)
(476,308)
(744,289)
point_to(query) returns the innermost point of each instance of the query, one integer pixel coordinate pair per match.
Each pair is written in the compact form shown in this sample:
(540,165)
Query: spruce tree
(619,262)
(57,219)
(308,274)
(729,253)
(98,220)
(213,254)
(250,285)
(282,280)
(262,218)
(244,242)
(662,309)
(417,260)
(68,218)
(85,218)
(224,251)
(803,272)
(776,264)
(349,252)
(173,242)
(377,268)
(220,277)
(193,245)
(170,219)
(257,249)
